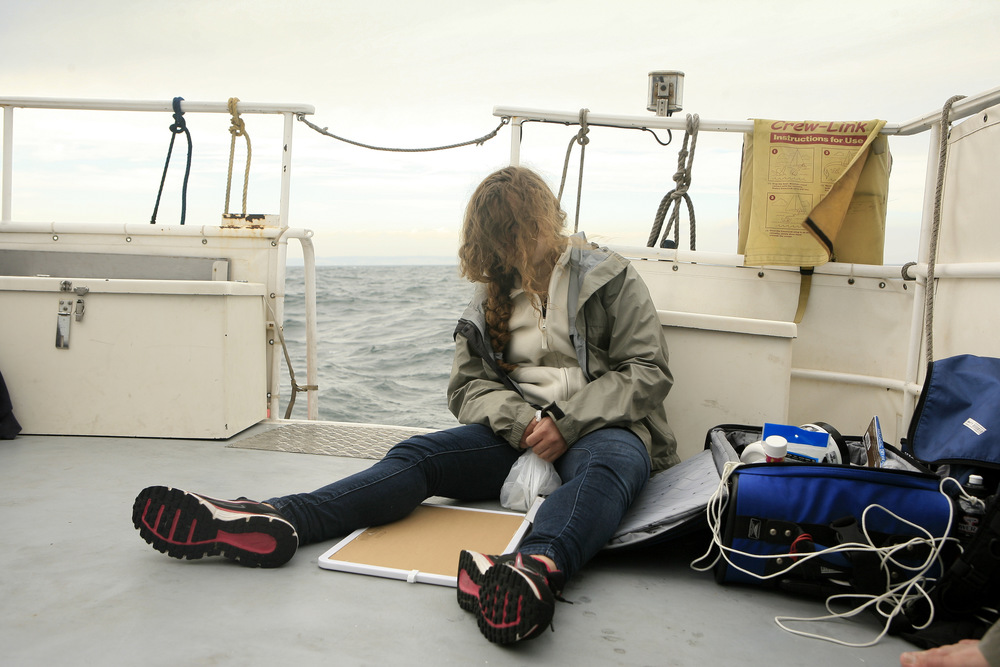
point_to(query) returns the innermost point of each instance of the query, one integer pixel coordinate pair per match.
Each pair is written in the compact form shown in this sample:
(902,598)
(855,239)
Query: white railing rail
(519,115)
(152,105)
(961,109)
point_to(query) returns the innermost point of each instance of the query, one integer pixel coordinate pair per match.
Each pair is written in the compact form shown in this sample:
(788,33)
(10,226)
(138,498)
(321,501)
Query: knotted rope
(178,126)
(237,129)
(936,227)
(682,178)
(582,139)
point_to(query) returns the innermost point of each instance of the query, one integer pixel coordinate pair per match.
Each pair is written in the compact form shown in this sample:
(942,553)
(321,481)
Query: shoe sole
(187,526)
(472,569)
(512,607)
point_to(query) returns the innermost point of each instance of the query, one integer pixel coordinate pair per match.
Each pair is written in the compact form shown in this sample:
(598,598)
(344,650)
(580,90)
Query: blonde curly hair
(513,229)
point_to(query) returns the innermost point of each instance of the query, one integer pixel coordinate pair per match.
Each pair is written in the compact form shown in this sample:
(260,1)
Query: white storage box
(157,358)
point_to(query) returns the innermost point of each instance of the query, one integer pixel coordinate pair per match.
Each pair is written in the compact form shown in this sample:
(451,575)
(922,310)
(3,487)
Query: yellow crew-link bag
(813,192)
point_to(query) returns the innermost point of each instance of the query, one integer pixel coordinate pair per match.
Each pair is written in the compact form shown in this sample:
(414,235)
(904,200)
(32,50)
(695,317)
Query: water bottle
(970,513)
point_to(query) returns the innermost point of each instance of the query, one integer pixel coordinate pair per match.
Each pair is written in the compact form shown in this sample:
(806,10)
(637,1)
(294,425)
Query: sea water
(385,342)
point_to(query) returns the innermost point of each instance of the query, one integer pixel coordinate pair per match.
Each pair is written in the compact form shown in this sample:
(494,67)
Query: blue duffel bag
(827,528)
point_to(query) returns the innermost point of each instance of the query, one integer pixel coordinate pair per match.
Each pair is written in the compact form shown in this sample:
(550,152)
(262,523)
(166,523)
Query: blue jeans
(602,474)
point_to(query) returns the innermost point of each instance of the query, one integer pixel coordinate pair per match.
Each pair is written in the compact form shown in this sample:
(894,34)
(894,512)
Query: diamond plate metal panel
(350,440)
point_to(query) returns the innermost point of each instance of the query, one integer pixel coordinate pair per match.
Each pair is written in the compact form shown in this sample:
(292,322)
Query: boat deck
(80,587)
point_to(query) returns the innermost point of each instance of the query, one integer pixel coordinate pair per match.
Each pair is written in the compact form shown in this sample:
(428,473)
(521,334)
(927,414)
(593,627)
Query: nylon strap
(805,285)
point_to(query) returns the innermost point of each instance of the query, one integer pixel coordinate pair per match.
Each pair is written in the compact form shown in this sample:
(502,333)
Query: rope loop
(579,138)
(178,126)
(237,128)
(671,201)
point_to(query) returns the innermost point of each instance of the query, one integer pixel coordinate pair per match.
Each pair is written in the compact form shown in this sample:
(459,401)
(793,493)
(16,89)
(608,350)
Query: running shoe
(189,525)
(513,596)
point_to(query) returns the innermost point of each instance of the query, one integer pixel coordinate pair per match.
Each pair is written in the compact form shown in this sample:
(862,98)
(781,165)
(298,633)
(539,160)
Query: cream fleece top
(547,367)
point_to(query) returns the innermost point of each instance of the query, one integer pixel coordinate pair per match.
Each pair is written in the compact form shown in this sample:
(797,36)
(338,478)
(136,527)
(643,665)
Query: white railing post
(515,142)
(286,169)
(8,160)
(304,237)
(312,378)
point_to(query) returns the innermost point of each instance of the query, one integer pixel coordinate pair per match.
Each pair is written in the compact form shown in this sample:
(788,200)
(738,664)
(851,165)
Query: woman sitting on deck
(561,351)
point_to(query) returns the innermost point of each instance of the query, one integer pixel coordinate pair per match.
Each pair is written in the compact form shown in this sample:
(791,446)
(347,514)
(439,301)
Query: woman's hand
(545,439)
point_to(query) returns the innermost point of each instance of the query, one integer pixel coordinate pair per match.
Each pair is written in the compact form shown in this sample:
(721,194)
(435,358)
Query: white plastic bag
(529,477)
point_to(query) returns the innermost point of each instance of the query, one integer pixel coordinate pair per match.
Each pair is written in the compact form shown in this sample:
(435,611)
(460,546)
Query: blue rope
(178,126)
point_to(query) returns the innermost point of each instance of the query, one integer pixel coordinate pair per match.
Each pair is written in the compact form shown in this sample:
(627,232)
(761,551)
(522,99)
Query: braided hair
(513,228)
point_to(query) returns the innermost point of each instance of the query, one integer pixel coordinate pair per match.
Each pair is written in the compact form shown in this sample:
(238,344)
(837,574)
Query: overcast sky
(412,73)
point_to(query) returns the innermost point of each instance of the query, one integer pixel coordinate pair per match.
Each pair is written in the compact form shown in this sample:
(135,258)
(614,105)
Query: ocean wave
(385,342)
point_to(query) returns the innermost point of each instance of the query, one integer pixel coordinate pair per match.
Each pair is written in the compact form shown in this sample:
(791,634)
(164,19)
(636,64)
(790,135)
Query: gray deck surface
(79,587)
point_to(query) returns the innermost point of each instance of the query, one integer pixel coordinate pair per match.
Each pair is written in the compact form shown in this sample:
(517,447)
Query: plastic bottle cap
(775,448)
(974,480)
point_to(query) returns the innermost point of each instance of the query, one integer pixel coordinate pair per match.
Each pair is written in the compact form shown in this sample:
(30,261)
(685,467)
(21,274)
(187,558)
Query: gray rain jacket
(620,347)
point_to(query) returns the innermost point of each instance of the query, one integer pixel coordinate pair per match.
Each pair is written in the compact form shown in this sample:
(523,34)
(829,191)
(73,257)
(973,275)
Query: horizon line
(379,260)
